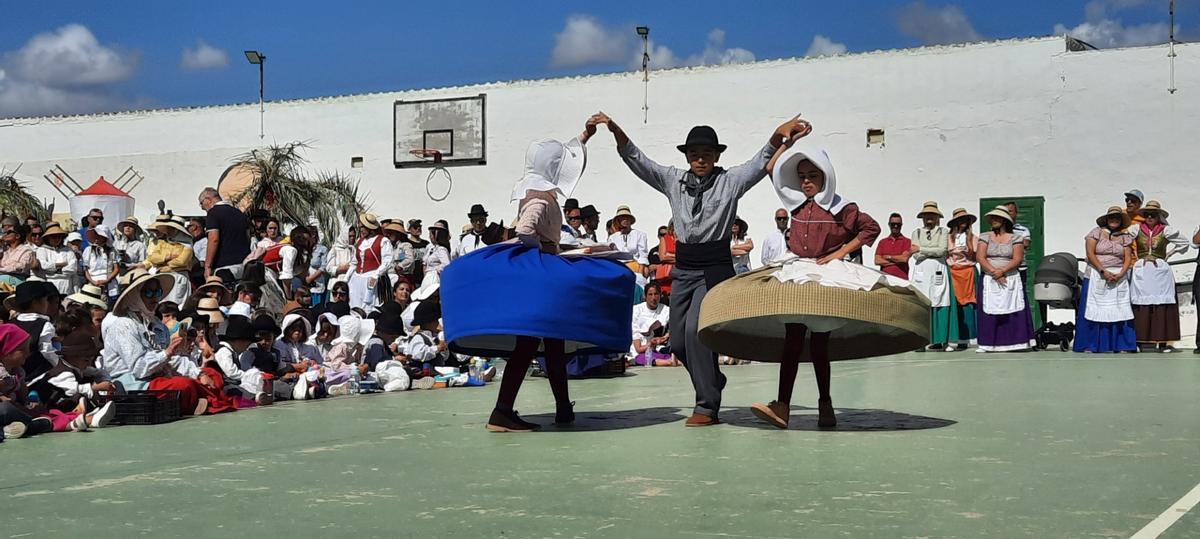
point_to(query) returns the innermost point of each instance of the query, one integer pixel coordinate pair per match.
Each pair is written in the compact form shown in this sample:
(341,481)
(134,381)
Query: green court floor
(929,445)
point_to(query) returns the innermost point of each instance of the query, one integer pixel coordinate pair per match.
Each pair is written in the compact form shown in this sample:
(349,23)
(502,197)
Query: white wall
(1011,118)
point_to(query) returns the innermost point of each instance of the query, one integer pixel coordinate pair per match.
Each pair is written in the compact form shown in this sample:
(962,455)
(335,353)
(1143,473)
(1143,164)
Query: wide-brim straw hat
(138,279)
(131,220)
(747,316)
(369,220)
(210,308)
(438,226)
(1155,207)
(930,207)
(54,229)
(1001,212)
(959,215)
(1102,221)
(395,226)
(173,224)
(216,282)
(90,294)
(623,211)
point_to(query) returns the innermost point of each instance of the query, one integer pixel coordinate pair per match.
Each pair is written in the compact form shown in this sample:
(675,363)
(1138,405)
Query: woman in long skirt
(1005,323)
(1104,318)
(963,274)
(1152,287)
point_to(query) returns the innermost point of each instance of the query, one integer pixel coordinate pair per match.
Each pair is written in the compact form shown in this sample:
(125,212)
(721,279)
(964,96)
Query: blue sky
(74,56)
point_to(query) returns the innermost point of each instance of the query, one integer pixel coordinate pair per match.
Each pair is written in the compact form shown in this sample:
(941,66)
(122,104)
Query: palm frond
(294,195)
(15,199)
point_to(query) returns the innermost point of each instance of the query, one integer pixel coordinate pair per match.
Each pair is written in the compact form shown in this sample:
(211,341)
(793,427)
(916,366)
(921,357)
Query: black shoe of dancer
(502,421)
(825,416)
(564,416)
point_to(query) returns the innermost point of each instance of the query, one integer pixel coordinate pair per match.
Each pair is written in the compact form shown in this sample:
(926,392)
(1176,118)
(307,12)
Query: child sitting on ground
(244,378)
(418,351)
(18,416)
(296,355)
(76,384)
(346,354)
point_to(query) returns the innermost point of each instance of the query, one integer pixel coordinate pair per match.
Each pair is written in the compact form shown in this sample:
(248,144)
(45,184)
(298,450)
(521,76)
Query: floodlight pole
(1171,89)
(255,57)
(644,31)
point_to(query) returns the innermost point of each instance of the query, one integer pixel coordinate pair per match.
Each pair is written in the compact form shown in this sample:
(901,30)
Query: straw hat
(215,282)
(1154,207)
(173,223)
(138,278)
(623,211)
(210,308)
(131,220)
(1001,212)
(1102,221)
(395,226)
(438,226)
(930,207)
(90,294)
(53,229)
(369,220)
(960,214)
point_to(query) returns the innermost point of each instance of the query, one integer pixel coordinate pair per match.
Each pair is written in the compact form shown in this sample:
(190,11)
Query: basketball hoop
(436,157)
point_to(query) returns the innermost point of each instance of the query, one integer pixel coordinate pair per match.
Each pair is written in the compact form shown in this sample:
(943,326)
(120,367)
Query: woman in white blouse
(740,245)
(58,263)
(437,255)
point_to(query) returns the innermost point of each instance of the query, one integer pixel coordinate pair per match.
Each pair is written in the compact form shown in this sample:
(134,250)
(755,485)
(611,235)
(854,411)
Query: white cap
(74,236)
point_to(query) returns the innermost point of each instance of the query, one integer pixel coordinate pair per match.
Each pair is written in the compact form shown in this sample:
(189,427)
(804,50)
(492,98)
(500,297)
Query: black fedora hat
(25,294)
(426,311)
(702,135)
(588,211)
(477,211)
(390,321)
(238,328)
(571,204)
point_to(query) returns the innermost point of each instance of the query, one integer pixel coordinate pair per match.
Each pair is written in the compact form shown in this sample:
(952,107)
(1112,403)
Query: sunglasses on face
(784,218)
(152,293)
(479,220)
(99,218)
(574,218)
(895,225)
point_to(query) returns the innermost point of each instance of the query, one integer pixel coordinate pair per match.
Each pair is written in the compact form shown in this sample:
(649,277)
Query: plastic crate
(150,407)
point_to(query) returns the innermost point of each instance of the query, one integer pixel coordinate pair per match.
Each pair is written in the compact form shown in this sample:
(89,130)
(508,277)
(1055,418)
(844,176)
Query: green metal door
(1030,212)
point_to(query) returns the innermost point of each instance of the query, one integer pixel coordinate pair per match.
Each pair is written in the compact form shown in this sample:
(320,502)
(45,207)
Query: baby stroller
(1057,284)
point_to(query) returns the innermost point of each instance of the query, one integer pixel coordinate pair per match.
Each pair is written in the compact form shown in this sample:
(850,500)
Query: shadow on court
(849,420)
(586,421)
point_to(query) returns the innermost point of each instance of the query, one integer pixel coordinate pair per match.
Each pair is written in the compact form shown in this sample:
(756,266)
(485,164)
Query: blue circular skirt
(500,292)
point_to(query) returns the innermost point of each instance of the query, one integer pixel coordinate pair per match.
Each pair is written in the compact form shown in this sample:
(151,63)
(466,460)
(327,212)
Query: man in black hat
(572,221)
(704,202)
(473,239)
(591,222)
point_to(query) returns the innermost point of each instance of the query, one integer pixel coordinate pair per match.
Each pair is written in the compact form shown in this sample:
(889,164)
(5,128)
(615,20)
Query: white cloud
(936,26)
(204,56)
(66,71)
(586,41)
(1100,29)
(715,52)
(823,46)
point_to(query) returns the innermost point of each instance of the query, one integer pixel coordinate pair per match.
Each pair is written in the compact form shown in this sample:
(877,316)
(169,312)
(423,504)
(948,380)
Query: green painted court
(928,445)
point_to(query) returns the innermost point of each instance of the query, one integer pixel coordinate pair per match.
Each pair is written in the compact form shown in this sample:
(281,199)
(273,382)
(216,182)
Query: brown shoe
(825,417)
(701,420)
(509,422)
(776,413)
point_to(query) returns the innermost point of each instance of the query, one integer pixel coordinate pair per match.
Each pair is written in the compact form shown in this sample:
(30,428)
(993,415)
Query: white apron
(1003,299)
(1107,302)
(932,277)
(1151,283)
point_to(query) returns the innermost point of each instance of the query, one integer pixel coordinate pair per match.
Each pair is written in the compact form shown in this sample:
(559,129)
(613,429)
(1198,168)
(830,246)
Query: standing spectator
(572,221)
(295,261)
(631,241)
(341,258)
(317,277)
(1152,286)
(1196,284)
(775,246)
(129,243)
(963,276)
(740,245)
(228,241)
(195,227)
(893,251)
(473,239)
(931,275)
(404,257)
(653,257)
(1005,324)
(666,261)
(94,217)
(272,234)
(437,254)
(171,255)
(19,258)
(591,223)
(1133,206)
(100,261)
(258,224)
(1104,318)
(57,263)
(373,255)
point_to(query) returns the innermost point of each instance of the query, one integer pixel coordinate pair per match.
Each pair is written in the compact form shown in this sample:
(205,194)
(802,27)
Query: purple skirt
(1005,332)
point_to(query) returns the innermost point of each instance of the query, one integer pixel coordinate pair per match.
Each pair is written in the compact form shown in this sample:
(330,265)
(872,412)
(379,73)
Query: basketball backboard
(455,127)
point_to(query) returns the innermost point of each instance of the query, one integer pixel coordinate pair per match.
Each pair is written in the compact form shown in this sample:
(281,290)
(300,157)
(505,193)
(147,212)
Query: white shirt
(340,254)
(200,249)
(570,236)
(50,257)
(385,255)
(634,243)
(644,317)
(468,243)
(229,362)
(98,264)
(239,308)
(287,263)
(436,259)
(135,250)
(774,247)
(421,347)
(740,259)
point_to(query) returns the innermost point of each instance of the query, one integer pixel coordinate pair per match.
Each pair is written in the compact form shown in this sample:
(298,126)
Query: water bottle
(355,380)
(33,398)
(475,372)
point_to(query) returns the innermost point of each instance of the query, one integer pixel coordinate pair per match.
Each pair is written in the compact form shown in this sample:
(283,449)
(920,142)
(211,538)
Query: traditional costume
(1104,317)
(1152,283)
(170,255)
(58,264)
(1005,323)
(963,277)
(931,275)
(851,311)
(372,257)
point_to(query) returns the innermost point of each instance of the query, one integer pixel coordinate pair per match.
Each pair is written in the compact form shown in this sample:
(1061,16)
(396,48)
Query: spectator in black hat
(30,302)
(473,239)
(419,247)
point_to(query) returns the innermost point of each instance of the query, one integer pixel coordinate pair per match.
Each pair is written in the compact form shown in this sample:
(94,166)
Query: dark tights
(793,347)
(518,365)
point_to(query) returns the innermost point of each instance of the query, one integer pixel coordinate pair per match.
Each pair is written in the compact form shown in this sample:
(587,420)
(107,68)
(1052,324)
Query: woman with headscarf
(372,258)
(56,261)
(1104,317)
(100,261)
(139,351)
(508,299)
(1152,283)
(340,261)
(931,275)
(963,276)
(1005,323)
(294,257)
(171,254)
(814,306)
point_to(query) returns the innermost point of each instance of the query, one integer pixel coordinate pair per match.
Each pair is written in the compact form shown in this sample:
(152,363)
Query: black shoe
(502,421)
(565,415)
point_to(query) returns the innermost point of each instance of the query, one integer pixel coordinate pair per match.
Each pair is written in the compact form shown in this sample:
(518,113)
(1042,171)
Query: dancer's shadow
(848,420)
(591,421)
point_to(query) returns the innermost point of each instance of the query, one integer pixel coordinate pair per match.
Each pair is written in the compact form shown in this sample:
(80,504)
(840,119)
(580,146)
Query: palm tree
(15,199)
(286,189)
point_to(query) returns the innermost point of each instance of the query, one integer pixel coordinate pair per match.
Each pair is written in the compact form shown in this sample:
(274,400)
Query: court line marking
(1160,524)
